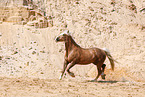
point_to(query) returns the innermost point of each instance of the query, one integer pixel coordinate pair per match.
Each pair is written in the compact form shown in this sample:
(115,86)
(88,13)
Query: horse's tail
(110,58)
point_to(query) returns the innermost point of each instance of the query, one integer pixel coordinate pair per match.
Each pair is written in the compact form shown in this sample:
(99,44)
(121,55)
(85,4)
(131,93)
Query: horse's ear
(69,32)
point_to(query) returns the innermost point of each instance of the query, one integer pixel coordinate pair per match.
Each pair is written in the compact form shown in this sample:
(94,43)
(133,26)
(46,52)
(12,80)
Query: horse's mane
(68,33)
(73,41)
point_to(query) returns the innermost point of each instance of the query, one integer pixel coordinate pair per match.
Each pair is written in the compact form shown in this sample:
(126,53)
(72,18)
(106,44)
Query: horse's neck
(70,44)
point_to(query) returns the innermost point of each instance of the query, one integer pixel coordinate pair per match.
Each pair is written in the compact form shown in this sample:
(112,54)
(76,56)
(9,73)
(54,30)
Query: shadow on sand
(107,82)
(102,81)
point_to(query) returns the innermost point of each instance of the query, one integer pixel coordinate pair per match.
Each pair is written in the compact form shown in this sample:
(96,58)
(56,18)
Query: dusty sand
(27,87)
(31,70)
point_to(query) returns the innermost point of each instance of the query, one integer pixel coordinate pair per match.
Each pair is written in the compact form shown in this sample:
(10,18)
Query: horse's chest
(72,55)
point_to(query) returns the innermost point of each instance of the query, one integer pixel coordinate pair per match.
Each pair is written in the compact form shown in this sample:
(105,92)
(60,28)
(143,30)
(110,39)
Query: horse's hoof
(71,74)
(60,78)
(103,76)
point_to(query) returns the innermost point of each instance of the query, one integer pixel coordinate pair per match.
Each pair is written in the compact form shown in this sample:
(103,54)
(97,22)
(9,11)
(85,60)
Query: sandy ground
(27,87)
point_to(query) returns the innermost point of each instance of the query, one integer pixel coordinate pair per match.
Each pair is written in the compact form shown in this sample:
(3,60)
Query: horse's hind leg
(99,68)
(103,69)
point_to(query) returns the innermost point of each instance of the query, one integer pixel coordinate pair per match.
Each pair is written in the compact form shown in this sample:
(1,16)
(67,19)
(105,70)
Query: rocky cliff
(118,25)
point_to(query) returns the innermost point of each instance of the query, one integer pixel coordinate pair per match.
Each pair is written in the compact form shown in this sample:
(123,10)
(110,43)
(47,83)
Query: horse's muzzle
(57,39)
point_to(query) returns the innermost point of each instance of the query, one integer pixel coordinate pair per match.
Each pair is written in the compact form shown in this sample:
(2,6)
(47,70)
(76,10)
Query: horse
(77,55)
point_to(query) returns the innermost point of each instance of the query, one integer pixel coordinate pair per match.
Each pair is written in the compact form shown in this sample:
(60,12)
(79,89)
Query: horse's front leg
(64,68)
(70,66)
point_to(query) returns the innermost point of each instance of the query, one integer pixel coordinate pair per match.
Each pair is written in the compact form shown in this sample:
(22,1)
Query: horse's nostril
(57,39)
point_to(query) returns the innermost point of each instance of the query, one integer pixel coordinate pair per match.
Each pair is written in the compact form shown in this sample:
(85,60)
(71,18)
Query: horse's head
(63,36)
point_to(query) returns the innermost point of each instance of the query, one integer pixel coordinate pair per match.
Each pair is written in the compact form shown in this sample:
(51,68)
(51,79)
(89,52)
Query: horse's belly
(87,61)
(84,63)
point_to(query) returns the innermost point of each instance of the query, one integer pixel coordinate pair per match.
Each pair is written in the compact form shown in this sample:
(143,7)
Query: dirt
(27,87)
(31,61)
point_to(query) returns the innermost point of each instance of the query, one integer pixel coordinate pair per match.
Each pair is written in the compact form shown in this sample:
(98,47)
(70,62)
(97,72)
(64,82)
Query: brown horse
(78,55)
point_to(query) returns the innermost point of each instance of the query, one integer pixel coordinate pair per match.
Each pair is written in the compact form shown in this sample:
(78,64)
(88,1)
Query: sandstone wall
(118,25)
(28,14)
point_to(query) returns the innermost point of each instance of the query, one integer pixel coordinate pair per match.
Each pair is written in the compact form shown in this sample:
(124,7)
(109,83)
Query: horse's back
(91,55)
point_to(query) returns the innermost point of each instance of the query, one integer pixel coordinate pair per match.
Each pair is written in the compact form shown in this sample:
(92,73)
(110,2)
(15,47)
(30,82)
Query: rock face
(24,14)
(30,51)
